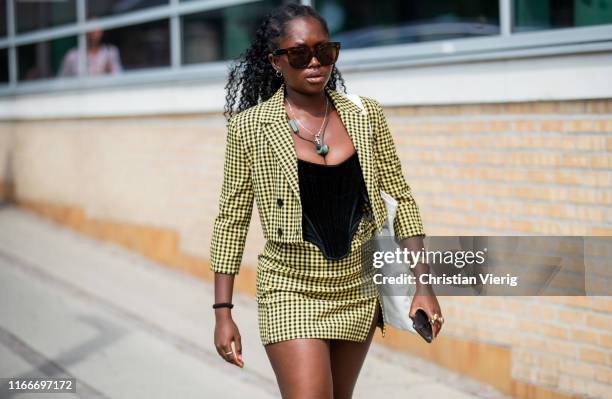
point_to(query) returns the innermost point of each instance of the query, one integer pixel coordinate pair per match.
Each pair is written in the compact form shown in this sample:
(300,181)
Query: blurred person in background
(102,58)
(317,311)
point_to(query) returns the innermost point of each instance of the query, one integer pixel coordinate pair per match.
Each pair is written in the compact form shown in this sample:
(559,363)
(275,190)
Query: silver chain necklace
(322,149)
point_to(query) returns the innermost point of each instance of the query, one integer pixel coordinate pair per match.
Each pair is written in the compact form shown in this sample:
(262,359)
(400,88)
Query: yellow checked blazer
(261,166)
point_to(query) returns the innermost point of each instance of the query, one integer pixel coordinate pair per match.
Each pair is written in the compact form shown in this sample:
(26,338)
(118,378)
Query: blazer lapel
(357,124)
(278,133)
(276,130)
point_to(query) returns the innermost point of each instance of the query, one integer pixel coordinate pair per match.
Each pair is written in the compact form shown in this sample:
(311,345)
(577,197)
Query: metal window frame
(506,45)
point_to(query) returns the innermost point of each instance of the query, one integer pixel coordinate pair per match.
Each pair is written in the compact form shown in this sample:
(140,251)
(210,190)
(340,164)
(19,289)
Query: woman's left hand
(424,298)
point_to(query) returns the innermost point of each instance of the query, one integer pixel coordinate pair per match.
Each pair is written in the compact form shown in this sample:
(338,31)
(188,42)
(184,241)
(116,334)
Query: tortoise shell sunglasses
(299,57)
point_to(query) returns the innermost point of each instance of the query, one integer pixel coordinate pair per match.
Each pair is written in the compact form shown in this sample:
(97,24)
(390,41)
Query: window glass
(376,23)
(134,47)
(3,31)
(550,14)
(99,8)
(102,58)
(4,76)
(32,15)
(221,34)
(43,60)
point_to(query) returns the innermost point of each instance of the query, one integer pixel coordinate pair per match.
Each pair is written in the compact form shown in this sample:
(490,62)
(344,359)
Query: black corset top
(332,204)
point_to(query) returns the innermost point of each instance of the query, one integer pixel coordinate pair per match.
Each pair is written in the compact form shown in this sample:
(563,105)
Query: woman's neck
(312,104)
(94,48)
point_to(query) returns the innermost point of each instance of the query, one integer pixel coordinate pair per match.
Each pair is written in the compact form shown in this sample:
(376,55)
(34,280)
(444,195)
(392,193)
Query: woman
(305,154)
(102,58)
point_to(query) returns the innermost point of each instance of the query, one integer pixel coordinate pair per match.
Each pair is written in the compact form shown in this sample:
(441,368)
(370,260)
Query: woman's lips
(315,79)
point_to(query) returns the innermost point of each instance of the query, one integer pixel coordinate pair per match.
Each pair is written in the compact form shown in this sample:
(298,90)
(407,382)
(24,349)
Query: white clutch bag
(396,305)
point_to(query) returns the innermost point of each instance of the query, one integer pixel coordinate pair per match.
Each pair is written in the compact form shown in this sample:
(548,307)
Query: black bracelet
(223,305)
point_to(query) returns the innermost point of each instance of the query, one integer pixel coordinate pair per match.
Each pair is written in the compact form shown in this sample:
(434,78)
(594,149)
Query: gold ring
(437,317)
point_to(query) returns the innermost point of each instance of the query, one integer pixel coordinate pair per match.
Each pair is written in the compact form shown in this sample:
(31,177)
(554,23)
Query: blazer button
(279,202)
(279,231)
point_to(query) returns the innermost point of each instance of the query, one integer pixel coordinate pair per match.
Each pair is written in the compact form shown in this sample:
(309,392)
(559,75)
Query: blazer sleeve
(235,206)
(407,222)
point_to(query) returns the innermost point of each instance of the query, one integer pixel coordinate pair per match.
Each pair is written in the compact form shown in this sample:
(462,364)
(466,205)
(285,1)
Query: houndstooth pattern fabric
(300,293)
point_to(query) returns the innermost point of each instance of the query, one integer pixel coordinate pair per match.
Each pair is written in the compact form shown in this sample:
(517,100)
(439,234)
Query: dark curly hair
(251,75)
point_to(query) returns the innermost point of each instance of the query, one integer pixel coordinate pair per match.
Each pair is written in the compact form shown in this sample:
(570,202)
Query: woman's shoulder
(246,117)
(111,48)
(365,100)
(371,105)
(370,101)
(251,117)
(72,54)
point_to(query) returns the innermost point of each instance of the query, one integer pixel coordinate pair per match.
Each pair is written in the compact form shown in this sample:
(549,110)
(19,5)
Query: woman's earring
(279,73)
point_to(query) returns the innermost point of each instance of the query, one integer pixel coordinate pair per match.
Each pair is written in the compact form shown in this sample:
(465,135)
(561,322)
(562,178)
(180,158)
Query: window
(166,38)
(141,46)
(532,15)
(3,31)
(34,15)
(43,60)
(221,34)
(102,8)
(378,23)
(4,78)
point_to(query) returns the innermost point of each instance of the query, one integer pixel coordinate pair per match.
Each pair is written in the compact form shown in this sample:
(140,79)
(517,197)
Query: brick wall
(504,169)
(6,172)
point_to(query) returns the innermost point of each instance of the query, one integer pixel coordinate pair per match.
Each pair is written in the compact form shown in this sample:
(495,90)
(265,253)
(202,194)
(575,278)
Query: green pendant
(293,126)
(322,149)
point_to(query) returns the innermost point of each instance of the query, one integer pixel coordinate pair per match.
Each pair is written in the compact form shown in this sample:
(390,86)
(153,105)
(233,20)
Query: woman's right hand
(226,331)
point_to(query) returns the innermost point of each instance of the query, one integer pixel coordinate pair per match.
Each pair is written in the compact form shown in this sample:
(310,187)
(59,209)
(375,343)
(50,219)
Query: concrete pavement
(127,327)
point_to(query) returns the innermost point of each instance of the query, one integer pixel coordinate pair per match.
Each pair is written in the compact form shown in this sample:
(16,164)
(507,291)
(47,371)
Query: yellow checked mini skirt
(301,294)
